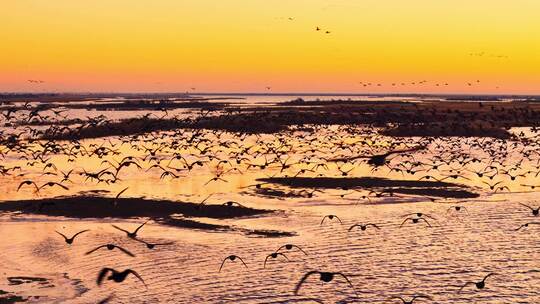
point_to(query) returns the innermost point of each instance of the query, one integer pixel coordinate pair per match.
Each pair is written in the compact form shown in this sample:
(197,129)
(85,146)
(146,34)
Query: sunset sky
(247,45)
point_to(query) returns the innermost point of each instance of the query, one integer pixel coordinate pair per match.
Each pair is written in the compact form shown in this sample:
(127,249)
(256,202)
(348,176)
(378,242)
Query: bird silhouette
(534,211)
(52,184)
(274,255)
(412,299)
(331,217)
(133,234)
(415,220)
(290,247)
(153,245)
(111,247)
(325,277)
(526,225)
(28,182)
(479,285)
(70,240)
(457,209)
(117,276)
(363,226)
(232,258)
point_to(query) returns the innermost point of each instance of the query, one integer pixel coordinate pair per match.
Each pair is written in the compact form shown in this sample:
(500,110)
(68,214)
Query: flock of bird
(488,165)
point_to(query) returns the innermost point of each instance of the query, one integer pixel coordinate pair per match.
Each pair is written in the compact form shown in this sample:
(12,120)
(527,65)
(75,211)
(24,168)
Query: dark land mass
(408,187)
(168,213)
(401,119)
(101,207)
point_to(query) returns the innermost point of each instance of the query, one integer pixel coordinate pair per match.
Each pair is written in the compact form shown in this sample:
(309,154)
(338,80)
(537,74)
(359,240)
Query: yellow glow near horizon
(246,45)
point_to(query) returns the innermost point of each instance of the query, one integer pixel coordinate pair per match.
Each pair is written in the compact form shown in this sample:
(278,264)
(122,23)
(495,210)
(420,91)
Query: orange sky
(246,45)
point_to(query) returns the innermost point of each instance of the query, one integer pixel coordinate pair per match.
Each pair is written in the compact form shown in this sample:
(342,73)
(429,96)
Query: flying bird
(479,285)
(70,240)
(232,258)
(331,217)
(111,247)
(117,276)
(325,277)
(133,234)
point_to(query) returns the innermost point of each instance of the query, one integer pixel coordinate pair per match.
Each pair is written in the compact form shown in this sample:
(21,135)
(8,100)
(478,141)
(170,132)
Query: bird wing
(222,263)
(466,284)
(163,244)
(120,193)
(519,228)
(137,230)
(526,206)
(138,276)
(97,248)
(304,278)
(355,225)
(204,200)
(79,233)
(346,279)
(58,184)
(404,222)
(120,229)
(300,249)
(102,275)
(21,184)
(425,221)
(63,235)
(242,261)
(374,225)
(488,275)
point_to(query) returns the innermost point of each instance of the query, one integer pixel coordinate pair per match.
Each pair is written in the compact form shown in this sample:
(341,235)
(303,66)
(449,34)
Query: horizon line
(269,93)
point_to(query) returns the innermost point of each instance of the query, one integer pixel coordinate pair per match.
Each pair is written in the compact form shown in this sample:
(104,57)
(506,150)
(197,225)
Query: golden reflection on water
(392,261)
